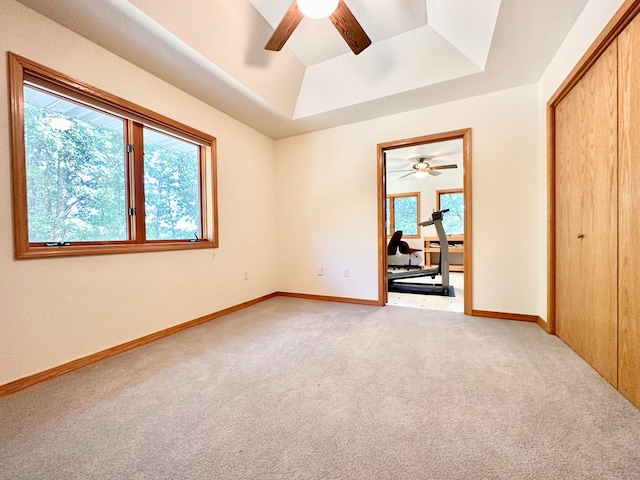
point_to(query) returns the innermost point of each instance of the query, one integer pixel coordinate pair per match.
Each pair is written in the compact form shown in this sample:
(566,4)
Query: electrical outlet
(246,275)
(319,271)
(346,271)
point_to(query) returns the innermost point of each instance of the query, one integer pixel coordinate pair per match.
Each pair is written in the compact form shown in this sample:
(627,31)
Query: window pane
(453,220)
(75,163)
(406,215)
(171,187)
(388,217)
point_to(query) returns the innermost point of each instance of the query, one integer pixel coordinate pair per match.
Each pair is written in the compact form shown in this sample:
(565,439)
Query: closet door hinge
(130,148)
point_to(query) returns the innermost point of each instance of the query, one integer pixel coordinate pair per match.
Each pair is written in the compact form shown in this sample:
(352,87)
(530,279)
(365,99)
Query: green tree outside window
(453,220)
(402,213)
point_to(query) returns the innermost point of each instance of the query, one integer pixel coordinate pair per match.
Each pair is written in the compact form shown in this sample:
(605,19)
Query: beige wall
(587,27)
(56,310)
(327,200)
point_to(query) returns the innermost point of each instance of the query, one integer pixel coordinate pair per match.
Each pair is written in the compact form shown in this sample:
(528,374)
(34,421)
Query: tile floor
(433,302)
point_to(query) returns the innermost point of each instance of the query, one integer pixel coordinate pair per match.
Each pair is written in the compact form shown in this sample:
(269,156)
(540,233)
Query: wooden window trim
(393,196)
(20,70)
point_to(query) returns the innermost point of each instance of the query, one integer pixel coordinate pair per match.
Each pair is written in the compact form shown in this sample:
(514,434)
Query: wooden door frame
(616,25)
(465,136)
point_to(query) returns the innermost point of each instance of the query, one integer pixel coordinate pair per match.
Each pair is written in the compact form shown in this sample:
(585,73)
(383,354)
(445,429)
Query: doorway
(415,177)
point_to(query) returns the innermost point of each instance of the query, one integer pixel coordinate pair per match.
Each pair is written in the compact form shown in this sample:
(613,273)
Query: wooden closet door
(586,216)
(629,212)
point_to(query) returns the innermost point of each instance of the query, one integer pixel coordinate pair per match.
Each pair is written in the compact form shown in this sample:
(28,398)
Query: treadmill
(397,282)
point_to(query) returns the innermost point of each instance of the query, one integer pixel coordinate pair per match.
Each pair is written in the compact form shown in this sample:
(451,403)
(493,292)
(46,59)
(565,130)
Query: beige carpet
(299,389)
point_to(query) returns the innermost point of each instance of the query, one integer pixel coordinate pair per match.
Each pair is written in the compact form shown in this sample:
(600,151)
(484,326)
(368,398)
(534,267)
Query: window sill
(84,250)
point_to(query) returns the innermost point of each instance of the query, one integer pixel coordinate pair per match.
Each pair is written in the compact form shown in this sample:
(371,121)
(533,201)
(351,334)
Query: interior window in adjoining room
(452,200)
(403,213)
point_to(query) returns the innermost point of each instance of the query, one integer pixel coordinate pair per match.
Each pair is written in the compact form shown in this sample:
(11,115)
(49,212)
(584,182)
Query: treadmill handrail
(437,215)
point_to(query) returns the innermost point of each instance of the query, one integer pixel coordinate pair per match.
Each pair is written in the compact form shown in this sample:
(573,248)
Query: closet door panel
(586,216)
(629,212)
(570,312)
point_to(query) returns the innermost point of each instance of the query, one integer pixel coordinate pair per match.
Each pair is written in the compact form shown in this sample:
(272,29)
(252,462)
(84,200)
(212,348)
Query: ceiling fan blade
(444,167)
(350,28)
(285,28)
(410,173)
(434,173)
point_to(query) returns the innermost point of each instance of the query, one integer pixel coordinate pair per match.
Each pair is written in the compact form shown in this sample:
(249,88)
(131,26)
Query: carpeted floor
(300,389)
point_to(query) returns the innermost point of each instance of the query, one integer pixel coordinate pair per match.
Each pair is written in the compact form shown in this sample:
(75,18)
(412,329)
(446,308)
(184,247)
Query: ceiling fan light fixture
(421,174)
(317,8)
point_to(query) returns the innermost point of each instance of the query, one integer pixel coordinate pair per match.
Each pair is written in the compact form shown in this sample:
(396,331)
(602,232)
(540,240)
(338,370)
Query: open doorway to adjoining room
(416,177)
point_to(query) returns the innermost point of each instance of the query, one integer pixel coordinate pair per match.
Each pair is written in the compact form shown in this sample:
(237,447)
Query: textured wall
(327,200)
(56,310)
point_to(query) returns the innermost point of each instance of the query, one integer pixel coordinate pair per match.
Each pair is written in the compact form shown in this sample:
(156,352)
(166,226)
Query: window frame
(23,71)
(454,191)
(391,197)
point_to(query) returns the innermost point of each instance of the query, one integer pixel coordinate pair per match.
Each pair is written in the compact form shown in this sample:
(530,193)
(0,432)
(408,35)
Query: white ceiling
(423,52)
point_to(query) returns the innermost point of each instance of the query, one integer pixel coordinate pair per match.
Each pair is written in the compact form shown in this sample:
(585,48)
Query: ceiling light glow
(421,174)
(60,124)
(317,8)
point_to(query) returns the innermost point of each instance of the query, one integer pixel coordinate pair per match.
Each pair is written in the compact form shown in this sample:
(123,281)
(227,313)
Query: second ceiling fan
(338,13)
(422,168)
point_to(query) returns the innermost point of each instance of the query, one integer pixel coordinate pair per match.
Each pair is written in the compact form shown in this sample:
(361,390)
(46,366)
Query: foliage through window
(453,220)
(171,187)
(76,179)
(93,173)
(403,212)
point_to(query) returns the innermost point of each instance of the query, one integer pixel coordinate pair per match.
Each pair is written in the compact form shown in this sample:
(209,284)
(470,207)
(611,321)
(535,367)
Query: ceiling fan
(338,13)
(422,168)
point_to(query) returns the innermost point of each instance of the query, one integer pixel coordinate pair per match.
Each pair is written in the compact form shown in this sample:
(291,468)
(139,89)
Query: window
(403,212)
(453,220)
(95,174)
